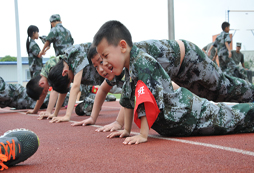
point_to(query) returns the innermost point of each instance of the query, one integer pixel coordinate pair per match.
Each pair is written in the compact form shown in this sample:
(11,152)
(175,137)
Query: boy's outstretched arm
(128,117)
(52,101)
(229,50)
(142,137)
(75,88)
(98,101)
(209,51)
(38,104)
(44,49)
(116,125)
(59,104)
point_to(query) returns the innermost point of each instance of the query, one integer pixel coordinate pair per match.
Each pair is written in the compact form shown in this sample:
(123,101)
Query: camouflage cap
(55,17)
(238,44)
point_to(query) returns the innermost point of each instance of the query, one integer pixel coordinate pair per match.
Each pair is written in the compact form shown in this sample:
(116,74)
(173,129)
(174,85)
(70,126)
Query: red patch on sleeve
(144,95)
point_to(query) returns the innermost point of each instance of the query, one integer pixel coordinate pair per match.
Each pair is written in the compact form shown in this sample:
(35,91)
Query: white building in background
(8,71)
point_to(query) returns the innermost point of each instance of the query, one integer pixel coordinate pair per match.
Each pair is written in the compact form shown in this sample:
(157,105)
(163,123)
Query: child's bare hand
(209,53)
(110,127)
(59,119)
(135,139)
(88,121)
(45,114)
(121,134)
(31,112)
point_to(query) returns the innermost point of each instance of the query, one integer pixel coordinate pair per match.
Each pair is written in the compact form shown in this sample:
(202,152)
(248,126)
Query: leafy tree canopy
(8,58)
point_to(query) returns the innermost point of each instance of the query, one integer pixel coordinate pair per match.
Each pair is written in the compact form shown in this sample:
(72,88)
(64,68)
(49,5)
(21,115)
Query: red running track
(64,148)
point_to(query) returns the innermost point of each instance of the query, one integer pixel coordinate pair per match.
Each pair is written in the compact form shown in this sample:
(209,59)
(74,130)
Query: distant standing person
(238,57)
(33,50)
(58,35)
(213,55)
(222,43)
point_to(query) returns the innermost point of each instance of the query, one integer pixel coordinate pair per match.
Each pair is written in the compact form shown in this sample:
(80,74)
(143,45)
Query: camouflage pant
(86,106)
(15,96)
(204,78)
(229,67)
(198,116)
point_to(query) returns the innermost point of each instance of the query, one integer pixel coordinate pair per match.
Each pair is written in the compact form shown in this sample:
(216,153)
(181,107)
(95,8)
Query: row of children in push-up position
(145,71)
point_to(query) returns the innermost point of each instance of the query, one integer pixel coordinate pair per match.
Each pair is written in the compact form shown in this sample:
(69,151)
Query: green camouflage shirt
(61,38)
(48,65)
(76,57)
(220,43)
(237,57)
(35,63)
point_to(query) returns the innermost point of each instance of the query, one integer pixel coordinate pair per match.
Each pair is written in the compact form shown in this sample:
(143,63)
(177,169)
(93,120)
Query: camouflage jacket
(35,63)
(48,65)
(61,38)
(145,68)
(220,43)
(76,57)
(166,52)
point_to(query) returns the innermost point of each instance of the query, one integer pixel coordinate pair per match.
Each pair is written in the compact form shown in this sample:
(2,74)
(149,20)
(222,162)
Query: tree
(8,58)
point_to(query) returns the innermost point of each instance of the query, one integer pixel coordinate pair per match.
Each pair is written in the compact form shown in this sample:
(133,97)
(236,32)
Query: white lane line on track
(245,152)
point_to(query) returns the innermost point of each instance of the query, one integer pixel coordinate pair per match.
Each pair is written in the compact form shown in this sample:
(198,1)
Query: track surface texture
(64,148)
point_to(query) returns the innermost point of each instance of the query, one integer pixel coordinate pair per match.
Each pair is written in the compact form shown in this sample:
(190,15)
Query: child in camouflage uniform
(78,67)
(227,64)
(215,85)
(33,50)
(58,35)
(180,112)
(15,96)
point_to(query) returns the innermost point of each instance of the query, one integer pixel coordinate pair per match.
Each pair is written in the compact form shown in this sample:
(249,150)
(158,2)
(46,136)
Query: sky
(195,20)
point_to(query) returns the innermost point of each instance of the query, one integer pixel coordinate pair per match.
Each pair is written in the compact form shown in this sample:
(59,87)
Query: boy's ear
(65,72)
(123,44)
(41,83)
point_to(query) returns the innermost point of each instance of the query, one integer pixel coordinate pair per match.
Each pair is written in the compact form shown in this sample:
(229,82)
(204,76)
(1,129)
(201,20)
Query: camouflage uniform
(227,64)
(197,73)
(35,63)
(182,113)
(48,65)
(15,96)
(239,57)
(213,50)
(76,57)
(61,38)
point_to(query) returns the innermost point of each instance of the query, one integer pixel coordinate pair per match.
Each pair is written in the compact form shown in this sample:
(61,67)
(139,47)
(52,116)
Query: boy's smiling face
(102,70)
(113,58)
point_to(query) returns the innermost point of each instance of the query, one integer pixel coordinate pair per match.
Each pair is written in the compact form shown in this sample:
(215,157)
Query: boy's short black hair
(33,89)
(224,25)
(91,53)
(113,31)
(58,82)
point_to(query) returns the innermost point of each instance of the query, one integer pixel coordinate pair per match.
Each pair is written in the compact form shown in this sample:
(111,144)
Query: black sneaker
(85,107)
(16,146)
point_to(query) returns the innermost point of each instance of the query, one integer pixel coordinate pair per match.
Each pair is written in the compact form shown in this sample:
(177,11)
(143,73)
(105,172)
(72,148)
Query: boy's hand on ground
(110,127)
(59,119)
(135,139)
(43,115)
(31,112)
(88,121)
(121,134)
